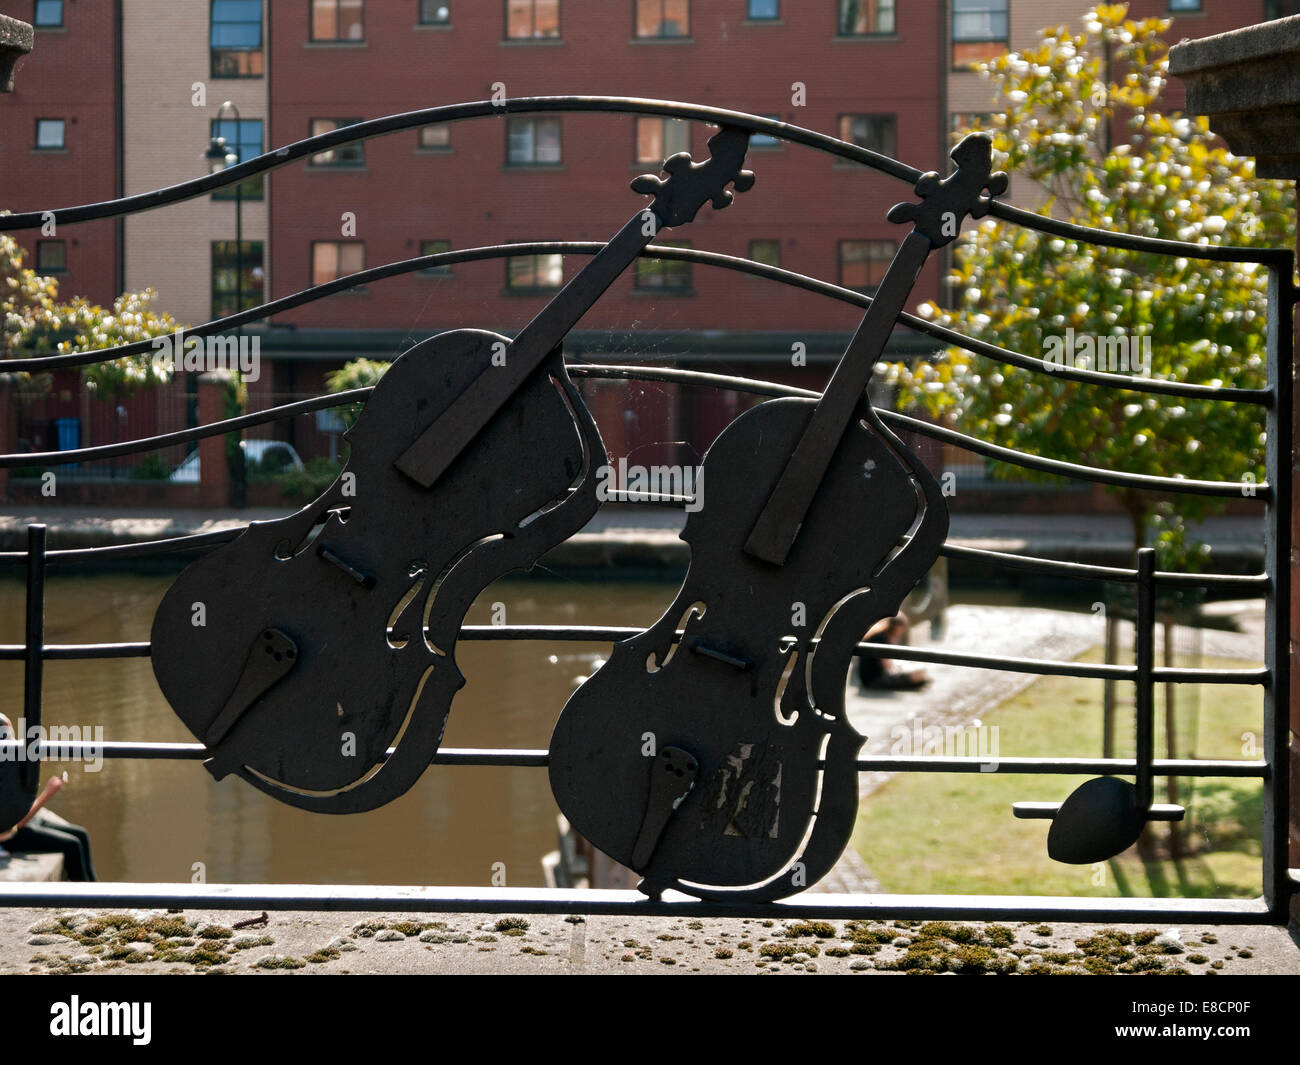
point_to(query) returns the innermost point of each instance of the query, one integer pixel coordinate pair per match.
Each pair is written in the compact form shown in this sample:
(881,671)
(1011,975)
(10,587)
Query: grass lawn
(954,833)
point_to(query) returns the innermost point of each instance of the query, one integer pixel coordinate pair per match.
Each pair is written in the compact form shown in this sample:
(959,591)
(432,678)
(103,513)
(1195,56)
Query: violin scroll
(948,200)
(690,185)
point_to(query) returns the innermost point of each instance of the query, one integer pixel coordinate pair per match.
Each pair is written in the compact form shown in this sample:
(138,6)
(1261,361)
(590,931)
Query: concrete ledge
(1247,82)
(27,868)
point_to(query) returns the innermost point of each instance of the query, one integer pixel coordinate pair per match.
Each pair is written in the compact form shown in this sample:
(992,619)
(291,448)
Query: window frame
(558,35)
(533,290)
(892,118)
(338,271)
(420,20)
(61,24)
(340,164)
(420,146)
(988,9)
(435,271)
(649,267)
(260,50)
(254,297)
(680,124)
(870,290)
(47,270)
(637,35)
(514,121)
(311,23)
(253,188)
(62,146)
(776,241)
(854,35)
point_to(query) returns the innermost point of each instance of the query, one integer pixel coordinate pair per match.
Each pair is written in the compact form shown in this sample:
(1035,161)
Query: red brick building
(61,142)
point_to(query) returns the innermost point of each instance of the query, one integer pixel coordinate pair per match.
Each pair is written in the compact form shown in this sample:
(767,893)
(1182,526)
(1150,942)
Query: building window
(244,138)
(767,252)
(663,18)
(526,19)
(435,247)
(337,20)
(760,10)
(332,259)
(1185,5)
(664,275)
(235,39)
(51,257)
(49,134)
(862,18)
(48,13)
(224,277)
(534,273)
(436,138)
(533,142)
(434,13)
(877,133)
(344,154)
(863,263)
(765,140)
(658,138)
(979,30)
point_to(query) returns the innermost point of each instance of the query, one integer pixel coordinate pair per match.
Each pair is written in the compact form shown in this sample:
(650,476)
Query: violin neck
(778,524)
(552,324)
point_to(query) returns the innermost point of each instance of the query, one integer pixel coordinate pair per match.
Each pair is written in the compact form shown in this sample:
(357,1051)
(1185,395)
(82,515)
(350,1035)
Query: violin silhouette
(722,764)
(1105,816)
(299,652)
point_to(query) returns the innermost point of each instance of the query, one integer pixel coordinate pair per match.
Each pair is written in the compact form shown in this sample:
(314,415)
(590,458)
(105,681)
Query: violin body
(751,700)
(303,649)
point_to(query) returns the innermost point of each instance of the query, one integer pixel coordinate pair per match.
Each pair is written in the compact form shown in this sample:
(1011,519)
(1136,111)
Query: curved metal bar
(363,131)
(502,756)
(1176,485)
(615,633)
(1157,386)
(183,436)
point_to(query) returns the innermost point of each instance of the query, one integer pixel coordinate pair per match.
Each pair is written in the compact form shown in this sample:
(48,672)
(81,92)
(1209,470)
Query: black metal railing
(1273,584)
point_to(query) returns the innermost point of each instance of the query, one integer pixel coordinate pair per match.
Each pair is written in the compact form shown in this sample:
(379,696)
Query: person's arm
(52,787)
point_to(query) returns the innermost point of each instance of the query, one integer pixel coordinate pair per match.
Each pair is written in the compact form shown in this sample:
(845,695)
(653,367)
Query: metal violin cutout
(718,760)
(1105,816)
(305,648)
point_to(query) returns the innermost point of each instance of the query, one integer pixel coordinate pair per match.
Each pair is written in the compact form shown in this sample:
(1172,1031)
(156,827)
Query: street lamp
(220,156)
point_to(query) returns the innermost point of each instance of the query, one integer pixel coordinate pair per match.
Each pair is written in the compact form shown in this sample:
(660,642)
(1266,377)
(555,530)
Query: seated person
(44,832)
(880,672)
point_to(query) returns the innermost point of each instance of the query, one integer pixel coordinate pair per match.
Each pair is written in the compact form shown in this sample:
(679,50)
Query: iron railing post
(34,651)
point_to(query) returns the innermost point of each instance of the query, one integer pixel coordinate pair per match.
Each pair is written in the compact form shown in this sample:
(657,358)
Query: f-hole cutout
(284,550)
(418,573)
(695,610)
(788,644)
(437,586)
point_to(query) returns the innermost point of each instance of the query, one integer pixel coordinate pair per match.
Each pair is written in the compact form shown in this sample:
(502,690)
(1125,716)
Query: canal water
(169,820)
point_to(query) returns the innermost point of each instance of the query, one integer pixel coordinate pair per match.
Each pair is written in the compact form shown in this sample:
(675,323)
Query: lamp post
(221,156)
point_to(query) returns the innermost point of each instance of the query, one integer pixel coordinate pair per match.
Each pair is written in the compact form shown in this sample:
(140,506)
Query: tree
(1203,322)
(359,373)
(36,323)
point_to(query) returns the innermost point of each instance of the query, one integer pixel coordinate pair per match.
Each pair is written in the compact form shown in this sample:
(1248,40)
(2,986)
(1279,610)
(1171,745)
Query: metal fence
(1272,584)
